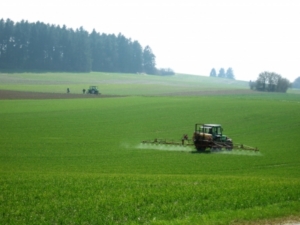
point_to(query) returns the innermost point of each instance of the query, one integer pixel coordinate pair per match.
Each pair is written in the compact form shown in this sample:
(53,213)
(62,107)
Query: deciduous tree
(296,83)
(270,81)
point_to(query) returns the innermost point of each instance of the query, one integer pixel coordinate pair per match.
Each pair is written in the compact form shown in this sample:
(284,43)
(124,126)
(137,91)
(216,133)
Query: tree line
(38,46)
(296,83)
(222,74)
(270,82)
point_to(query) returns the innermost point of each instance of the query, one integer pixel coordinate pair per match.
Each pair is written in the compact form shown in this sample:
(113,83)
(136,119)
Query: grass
(111,199)
(119,84)
(79,161)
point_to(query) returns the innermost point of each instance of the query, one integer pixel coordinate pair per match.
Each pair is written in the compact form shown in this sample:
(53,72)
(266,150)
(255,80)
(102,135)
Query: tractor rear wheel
(229,145)
(201,149)
(215,149)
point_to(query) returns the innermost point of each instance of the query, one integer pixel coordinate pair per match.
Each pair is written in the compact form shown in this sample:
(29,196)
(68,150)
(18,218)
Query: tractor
(209,136)
(205,137)
(93,90)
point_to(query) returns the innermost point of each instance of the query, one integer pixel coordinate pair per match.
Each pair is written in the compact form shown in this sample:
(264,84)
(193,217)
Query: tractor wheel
(229,145)
(215,149)
(201,149)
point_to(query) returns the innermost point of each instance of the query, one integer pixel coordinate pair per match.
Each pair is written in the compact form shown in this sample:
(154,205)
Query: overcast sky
(188,36)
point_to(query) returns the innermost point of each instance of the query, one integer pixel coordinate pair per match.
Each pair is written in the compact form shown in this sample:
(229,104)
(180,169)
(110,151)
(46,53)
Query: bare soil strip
(9,95)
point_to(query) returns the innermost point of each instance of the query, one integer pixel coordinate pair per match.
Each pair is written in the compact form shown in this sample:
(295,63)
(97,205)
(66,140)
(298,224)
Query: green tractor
(93,90)
(206,138)
(209,136)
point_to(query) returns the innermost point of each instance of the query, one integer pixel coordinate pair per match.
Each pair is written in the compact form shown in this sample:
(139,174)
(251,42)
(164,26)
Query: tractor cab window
(216,131)
(206,130)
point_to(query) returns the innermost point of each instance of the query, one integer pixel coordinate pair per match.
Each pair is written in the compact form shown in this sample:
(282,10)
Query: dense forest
(38,46)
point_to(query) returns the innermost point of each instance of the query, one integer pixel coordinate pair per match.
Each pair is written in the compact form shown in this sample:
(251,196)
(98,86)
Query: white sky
(189,36)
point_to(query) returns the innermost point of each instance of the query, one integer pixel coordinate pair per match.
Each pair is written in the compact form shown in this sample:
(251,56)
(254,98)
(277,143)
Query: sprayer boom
(205,137)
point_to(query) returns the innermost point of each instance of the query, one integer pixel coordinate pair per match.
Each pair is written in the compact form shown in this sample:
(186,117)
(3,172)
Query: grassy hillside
(80,161)
(120,84)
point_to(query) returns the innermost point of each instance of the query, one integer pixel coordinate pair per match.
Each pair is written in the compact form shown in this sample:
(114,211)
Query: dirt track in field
(9,95)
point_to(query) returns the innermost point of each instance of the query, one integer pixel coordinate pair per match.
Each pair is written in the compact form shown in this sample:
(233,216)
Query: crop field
(73,160)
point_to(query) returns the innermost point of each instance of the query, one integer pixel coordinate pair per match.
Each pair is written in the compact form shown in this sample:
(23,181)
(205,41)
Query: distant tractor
(93,90)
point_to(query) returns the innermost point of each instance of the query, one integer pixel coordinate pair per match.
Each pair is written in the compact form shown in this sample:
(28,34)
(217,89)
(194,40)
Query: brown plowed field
(8,94)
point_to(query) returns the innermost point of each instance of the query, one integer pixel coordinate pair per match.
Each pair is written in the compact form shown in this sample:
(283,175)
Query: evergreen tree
(111,56)
(137,57)
(229,73)
(222,73)
(39,46)
(56,62)
(82,61)
(7,44)
(166,72)
(124,54)
(36,47)
(65,49)
(149,61)
(213,73)
(97,50)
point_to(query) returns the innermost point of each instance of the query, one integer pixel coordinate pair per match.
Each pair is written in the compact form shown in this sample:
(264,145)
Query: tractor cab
(214,129)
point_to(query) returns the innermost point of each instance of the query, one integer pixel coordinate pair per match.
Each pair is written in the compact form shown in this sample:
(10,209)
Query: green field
(80,161)
(122,84)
